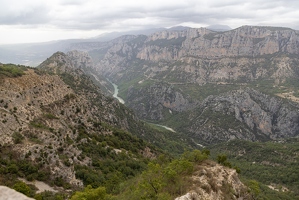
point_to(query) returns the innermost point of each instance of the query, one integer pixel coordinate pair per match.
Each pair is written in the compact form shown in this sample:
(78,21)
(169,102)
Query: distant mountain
(112,35)
(32,54)
(218,27)
(178,28)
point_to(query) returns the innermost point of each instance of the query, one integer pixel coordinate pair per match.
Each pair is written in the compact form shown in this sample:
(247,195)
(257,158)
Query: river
(115,94)
(166,127)
(115,89)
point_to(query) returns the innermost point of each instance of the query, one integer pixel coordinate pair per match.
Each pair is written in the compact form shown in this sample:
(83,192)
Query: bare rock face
(80,59)
(153,99)
(243,114)
(215,182)
(202,56)
(7,193)
(243,41)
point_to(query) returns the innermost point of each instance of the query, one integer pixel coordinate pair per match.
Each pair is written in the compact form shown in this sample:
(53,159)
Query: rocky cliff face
(209,56)
(166,99)
(244,41)
(243,114)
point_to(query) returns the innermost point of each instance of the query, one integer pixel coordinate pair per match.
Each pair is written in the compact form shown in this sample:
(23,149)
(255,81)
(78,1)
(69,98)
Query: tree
(222,159)
(254,188)
(152,181)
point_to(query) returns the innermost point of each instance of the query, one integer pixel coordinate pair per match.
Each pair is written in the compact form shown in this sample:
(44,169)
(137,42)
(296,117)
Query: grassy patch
(50,116)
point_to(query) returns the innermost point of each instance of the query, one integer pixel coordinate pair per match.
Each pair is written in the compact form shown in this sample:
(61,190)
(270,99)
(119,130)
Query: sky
(26,21)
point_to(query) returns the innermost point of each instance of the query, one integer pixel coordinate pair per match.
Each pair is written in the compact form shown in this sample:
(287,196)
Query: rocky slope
(243,114)
(53,115)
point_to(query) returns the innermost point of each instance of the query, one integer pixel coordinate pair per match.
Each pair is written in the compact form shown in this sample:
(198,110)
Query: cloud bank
(40,20)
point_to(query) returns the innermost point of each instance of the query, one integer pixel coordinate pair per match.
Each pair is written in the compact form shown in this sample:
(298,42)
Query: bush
(23,188)
(17,137)
(91,194)
(11,70)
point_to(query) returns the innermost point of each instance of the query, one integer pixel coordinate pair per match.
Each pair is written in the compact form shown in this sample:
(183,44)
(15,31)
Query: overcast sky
(44,20)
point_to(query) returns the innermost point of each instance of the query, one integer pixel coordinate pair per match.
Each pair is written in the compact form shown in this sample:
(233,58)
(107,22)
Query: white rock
(7,193)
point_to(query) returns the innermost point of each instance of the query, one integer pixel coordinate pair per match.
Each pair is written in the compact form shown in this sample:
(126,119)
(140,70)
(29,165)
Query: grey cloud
(90,15)
(32,15)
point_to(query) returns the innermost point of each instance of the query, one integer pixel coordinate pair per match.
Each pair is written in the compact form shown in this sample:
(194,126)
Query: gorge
(94,117)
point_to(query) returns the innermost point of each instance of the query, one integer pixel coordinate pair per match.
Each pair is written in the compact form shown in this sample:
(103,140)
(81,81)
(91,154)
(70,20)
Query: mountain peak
(218,27)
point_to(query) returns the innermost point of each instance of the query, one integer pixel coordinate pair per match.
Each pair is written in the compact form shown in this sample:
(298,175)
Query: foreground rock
(10,194)
(212,181)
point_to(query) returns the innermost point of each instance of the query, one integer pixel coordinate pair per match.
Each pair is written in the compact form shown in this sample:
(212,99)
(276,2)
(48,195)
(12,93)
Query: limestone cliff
(208,56)
(243,114)
(166,99)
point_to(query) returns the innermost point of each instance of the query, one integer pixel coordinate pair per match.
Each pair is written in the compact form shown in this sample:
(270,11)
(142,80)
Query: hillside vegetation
(11,70)
(191,175)
(273,164)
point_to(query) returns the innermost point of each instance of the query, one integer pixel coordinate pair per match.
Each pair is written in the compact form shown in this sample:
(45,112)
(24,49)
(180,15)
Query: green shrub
(91,194)
(17,137)
(23,188)
(12,70)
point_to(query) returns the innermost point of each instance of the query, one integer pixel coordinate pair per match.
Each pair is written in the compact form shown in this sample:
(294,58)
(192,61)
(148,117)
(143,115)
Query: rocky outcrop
(60,62)
(10,194)
(80,59)
(47,113)
(212,181)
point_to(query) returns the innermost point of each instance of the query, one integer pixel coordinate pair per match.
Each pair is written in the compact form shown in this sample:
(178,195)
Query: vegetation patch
(167,42)
(12,70)
(278,167)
